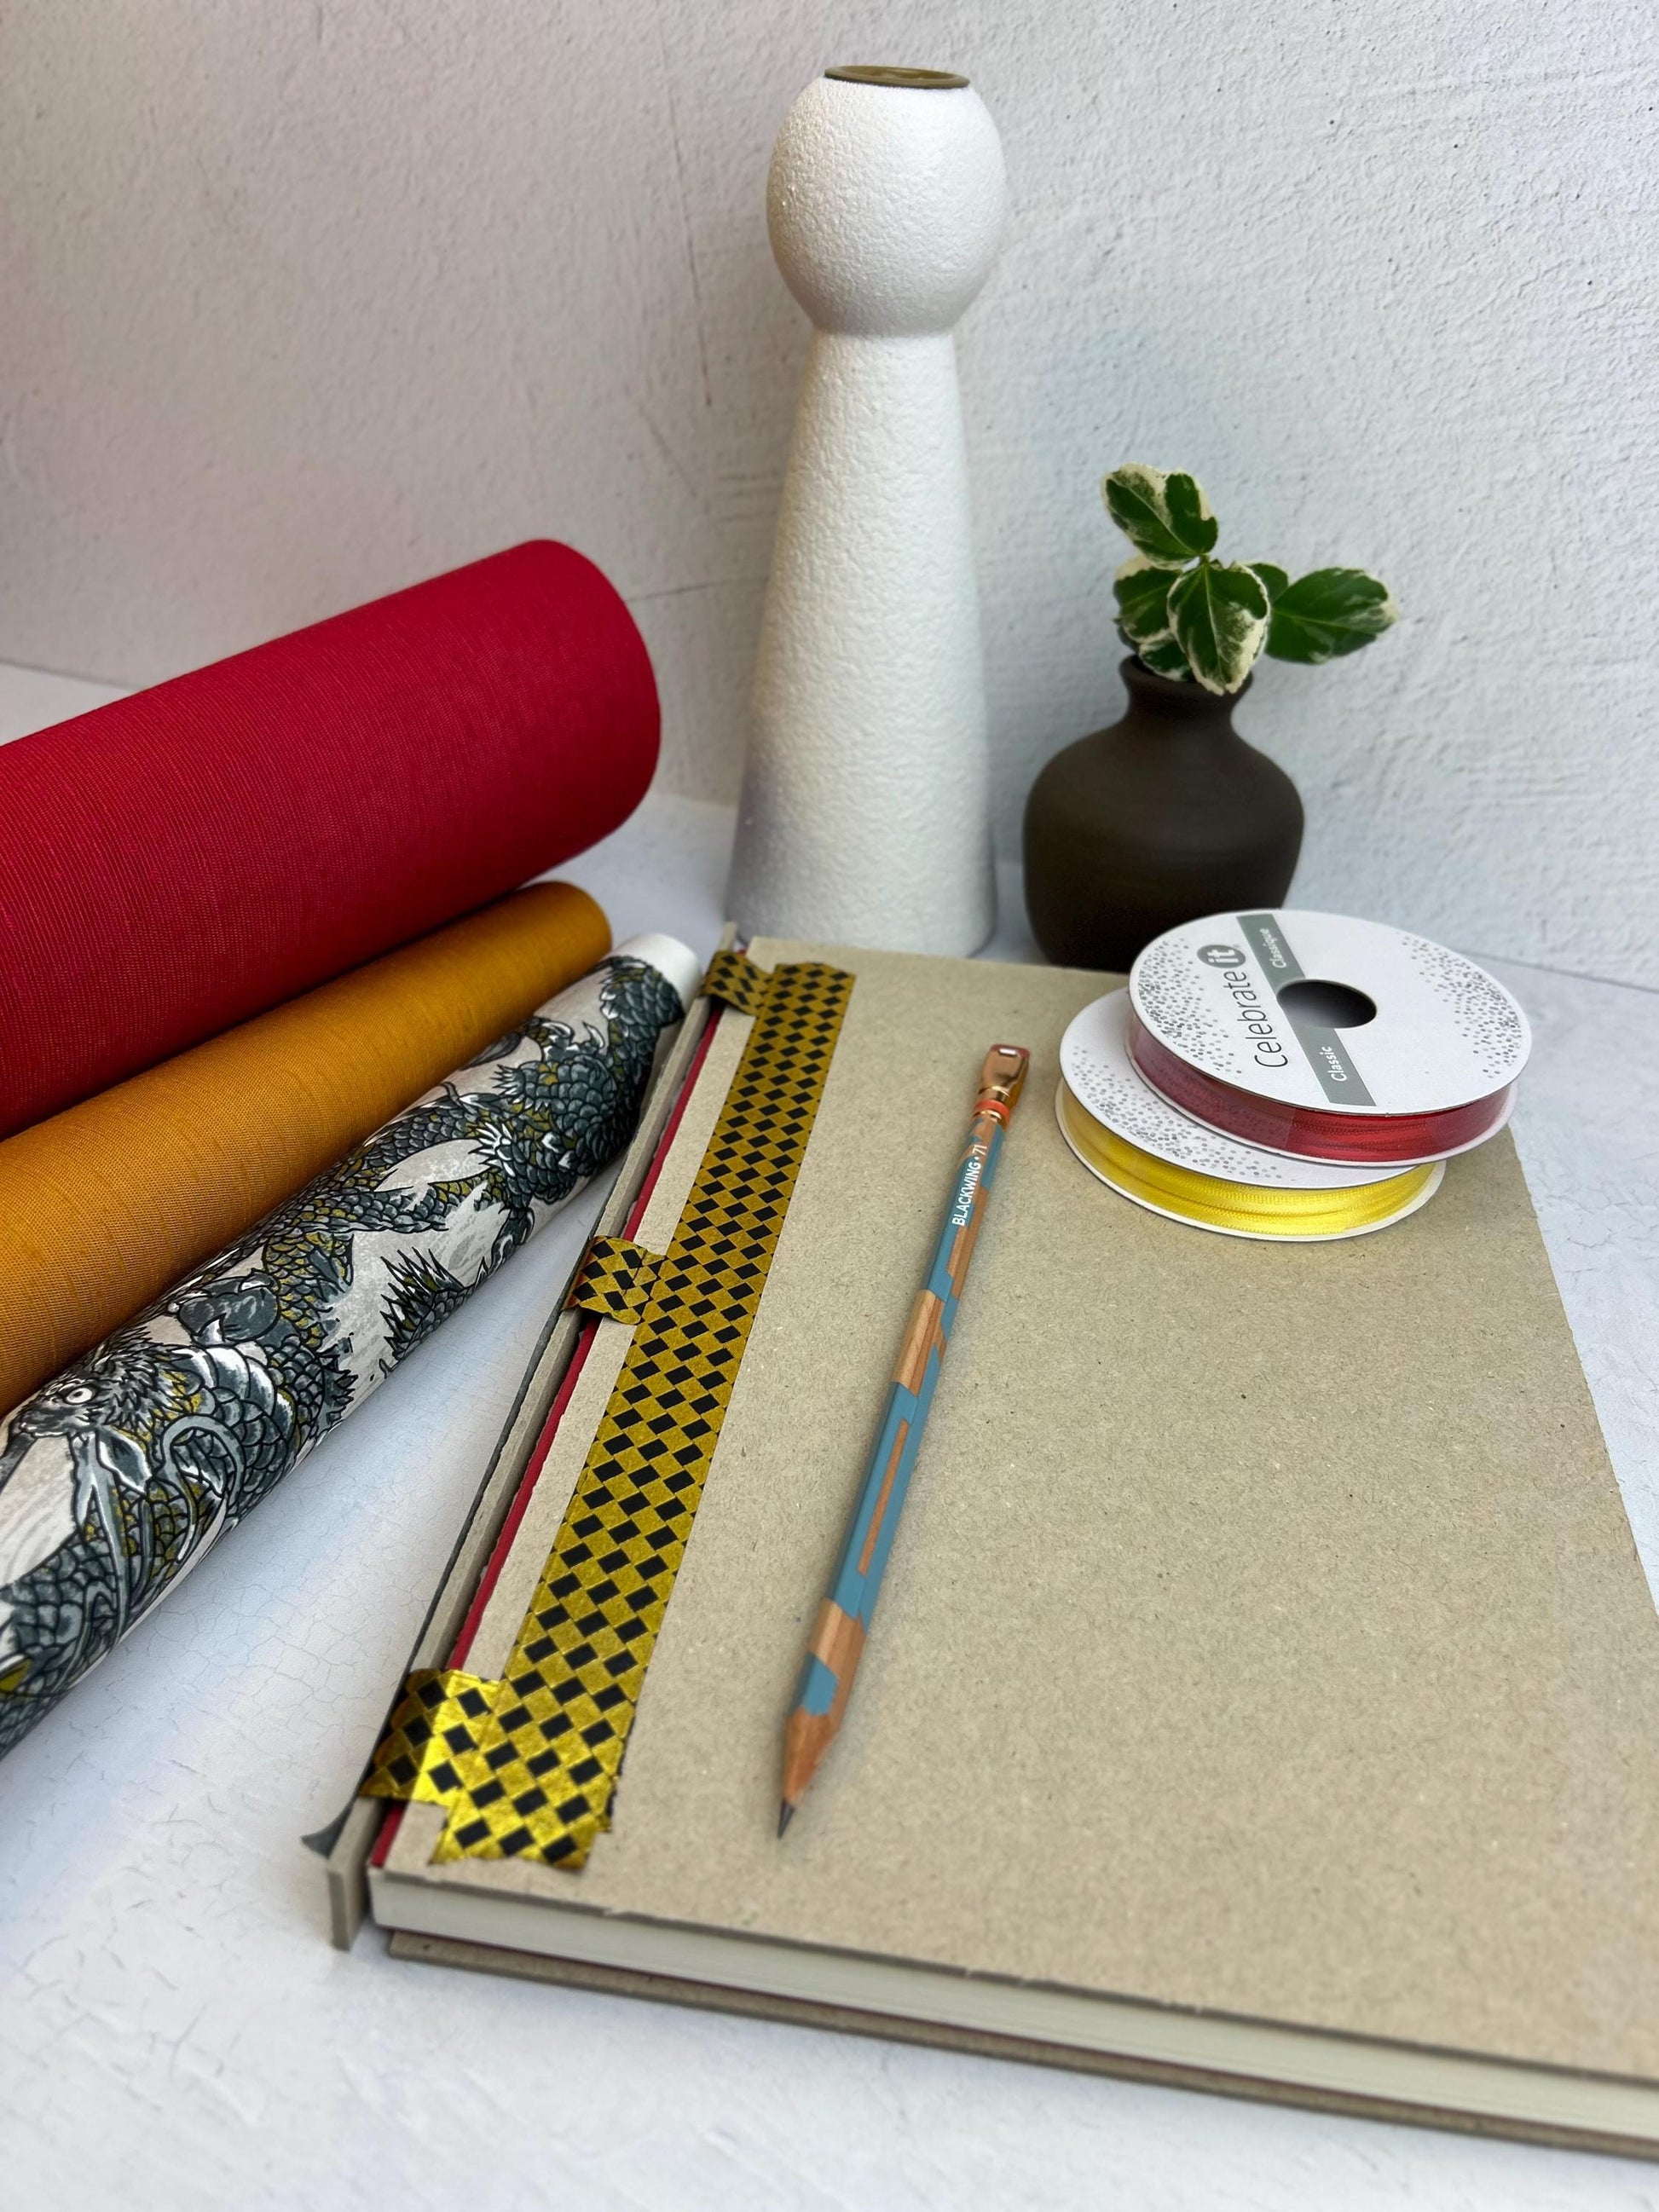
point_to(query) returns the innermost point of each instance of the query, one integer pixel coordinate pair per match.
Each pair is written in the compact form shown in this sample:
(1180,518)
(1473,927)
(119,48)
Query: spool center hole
(1326,1006)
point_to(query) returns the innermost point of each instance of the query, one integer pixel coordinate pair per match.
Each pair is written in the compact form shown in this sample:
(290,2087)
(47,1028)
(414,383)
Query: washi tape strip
(614,1278)
(735,980)
(526,1766)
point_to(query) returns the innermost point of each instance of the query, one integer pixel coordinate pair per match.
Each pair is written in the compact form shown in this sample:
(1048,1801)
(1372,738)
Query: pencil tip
(785,1815)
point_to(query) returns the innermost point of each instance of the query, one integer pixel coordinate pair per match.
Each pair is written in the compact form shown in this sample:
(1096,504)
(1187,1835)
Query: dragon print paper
(117,1476)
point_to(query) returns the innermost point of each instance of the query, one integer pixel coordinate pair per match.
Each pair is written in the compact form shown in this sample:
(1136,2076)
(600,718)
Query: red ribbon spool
(1306,1131)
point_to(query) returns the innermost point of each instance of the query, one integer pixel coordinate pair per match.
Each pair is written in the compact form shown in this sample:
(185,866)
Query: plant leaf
(1326,613)
(1165,517)
(1166,659)
(1276,580)
(1142,589)
(1219,613)
(1189,513)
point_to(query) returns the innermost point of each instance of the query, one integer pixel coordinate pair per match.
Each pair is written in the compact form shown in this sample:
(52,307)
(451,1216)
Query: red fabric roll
(177,861)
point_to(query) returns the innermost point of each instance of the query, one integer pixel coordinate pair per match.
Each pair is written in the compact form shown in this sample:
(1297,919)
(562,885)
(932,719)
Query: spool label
(1323,1045)
(1324,1011)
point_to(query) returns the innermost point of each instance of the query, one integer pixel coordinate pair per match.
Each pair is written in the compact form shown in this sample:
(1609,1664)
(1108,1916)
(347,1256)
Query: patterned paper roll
(179,860)
(119,1475)
(106,1204)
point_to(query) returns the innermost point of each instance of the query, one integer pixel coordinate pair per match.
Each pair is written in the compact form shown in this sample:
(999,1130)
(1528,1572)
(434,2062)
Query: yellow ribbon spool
(1243,1209)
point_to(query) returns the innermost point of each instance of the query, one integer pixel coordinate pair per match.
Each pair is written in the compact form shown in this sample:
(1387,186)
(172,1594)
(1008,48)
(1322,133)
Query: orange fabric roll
(105,1205)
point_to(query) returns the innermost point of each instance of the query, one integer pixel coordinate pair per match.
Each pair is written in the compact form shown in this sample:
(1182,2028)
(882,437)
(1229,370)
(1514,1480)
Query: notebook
(1264,1694)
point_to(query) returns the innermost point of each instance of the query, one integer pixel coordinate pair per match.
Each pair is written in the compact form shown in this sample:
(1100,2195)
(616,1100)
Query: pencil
(843,1621)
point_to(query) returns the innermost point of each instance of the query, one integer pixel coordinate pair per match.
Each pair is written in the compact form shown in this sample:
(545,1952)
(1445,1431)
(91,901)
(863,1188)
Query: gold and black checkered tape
(734,979)
(527,1765)
(614,1279)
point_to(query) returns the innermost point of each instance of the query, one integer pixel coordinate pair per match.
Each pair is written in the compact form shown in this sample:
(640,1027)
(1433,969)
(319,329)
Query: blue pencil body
(844,1618)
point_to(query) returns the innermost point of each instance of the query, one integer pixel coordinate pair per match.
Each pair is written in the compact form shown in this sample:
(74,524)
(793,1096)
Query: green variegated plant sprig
(1190,616)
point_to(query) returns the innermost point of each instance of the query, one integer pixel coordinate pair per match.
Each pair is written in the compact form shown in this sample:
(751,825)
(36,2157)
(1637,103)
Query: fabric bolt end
(103,1205)
(181,859)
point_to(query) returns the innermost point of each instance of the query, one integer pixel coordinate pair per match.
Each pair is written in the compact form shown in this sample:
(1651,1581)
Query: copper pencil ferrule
(1001,1079)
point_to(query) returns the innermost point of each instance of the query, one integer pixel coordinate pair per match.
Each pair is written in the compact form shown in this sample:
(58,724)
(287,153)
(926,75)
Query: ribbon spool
(1325,1039)
(1306,1133)
(1237,1209)
(1140,1145)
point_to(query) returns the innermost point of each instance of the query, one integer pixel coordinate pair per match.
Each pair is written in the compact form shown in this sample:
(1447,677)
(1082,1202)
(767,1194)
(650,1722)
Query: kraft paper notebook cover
(1265,1691)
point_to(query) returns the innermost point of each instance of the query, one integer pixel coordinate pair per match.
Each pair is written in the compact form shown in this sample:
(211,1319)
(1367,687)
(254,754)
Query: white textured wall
(302,300)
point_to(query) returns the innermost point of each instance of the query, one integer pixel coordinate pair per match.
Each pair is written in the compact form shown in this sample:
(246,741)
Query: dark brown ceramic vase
(1166,815)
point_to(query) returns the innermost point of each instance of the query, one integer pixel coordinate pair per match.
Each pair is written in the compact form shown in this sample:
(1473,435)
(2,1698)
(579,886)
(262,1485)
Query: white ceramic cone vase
(866,812)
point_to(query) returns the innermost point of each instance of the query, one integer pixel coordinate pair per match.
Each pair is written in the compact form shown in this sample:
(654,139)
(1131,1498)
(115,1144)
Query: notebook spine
(349,1842)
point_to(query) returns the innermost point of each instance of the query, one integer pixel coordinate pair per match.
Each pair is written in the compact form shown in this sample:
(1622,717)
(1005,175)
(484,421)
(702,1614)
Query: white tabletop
(176,2032)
